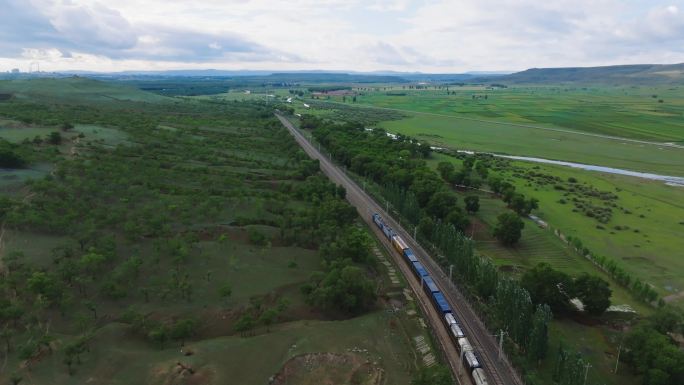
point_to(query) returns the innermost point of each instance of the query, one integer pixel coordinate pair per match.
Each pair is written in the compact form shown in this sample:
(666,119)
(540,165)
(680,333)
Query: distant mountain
(620,74)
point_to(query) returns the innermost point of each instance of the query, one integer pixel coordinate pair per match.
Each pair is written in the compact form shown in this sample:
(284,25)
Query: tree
(159,334)
(549,286)
(351,243)
(667,320)
(343,288)
(509,229)
(54,138)
(225,291)
(66,126)
(594,292)
(445,169)
(435,375)
(472,203)
(8,156)
(539,336)
(655,356)
(268,317)
(183,329)
(244,324)
(458,218)
(441,203)
(426,226)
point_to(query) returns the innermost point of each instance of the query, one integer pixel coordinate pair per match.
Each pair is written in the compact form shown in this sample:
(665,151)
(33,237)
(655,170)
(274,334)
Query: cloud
(409,35)
(63,29)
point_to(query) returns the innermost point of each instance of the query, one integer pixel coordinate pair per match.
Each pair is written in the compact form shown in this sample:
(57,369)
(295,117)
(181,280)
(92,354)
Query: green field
(459,134)
(116,358)
(142,216)
(631,112)
(545,122)
(648,243)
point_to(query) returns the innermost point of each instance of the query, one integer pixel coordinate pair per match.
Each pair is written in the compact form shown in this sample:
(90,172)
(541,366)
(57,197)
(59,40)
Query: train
(469,356)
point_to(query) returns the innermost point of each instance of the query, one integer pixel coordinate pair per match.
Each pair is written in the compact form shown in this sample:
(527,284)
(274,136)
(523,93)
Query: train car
(419,270)
(479,377)
(410,257)
(378,221)
(471,361)
(464,345)
(449,319)
(399,244)
(456,332)
(429,285)
(441,302)
(388,232)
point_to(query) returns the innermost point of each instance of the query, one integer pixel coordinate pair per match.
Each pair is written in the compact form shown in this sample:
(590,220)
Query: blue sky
(399,35)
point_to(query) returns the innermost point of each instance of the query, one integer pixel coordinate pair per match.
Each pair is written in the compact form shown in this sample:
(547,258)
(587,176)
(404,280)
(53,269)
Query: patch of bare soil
(181,373)
(329,369)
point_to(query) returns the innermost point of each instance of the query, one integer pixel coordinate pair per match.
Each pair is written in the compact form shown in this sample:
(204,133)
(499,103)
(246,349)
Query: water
(669,180)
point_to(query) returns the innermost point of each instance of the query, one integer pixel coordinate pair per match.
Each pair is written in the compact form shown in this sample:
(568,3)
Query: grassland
(172,200)
(116,358)
(547,122)
(631,112)
(643,232)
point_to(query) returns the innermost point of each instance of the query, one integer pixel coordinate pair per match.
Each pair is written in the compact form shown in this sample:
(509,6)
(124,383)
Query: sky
(440,36)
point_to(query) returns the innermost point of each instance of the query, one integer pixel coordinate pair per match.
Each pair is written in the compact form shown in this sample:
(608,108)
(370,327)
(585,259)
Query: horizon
(442,37)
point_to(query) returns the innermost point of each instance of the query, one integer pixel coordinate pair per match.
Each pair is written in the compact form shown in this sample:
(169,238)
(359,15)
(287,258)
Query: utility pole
(415,232)
(617,361)
(586,372)
(451,270)
(501,343)
(387,206)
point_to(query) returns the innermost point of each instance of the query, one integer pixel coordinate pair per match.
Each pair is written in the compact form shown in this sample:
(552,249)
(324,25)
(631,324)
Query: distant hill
(621,74)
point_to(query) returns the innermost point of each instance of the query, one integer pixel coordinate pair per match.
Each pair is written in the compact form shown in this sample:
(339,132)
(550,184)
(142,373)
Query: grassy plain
(631,112)
(213,174)
(643,234)
(452,132)
(119,358)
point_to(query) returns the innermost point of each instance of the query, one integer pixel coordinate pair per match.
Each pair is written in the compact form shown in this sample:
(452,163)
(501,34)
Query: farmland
(155,240)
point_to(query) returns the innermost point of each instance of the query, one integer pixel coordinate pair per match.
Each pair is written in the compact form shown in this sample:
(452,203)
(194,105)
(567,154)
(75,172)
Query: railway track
(499,372)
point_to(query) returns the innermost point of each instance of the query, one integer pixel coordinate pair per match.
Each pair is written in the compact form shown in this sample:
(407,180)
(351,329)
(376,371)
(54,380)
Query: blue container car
(429,285)
(410,257)
(441,302)
(419,270)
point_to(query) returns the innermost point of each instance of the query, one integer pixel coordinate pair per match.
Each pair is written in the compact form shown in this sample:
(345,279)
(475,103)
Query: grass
(16,134)
(631,112)
(76,89)
(597,344)
(649,244)
(567,121)
(461,134)
(116,358)
(102,135)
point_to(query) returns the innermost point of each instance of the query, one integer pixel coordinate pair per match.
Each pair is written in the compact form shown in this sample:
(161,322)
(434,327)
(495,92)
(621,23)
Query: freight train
(470,358)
